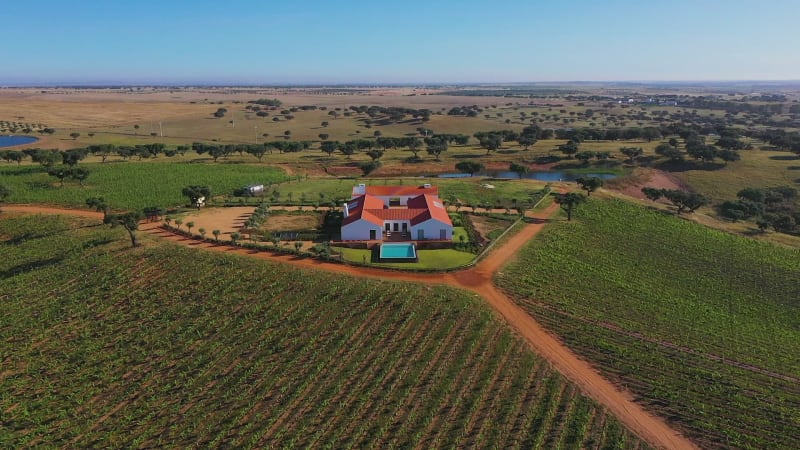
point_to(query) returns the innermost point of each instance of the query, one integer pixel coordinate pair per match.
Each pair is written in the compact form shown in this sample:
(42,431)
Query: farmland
(163,346)
(132,185)
(701,325)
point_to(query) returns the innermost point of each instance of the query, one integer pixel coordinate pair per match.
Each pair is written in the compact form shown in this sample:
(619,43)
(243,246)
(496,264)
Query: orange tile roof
(401,191)
(373,210)
(431,206)
(360,207)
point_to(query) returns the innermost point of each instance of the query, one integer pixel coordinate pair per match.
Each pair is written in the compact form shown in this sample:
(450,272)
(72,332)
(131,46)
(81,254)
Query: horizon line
(113,84)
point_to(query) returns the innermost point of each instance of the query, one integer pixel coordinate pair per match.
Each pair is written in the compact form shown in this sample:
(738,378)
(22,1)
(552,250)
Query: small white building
(254,189)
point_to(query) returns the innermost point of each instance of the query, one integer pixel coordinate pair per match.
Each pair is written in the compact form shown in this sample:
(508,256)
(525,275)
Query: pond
(10,141)
(542,175)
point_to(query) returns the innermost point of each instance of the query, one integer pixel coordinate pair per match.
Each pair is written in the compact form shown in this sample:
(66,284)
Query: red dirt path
(478,279)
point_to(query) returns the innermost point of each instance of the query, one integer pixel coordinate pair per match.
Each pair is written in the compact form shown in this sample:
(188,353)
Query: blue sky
(341,41)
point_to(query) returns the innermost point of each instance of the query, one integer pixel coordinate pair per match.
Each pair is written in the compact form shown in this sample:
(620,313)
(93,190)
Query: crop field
(703,326)
(469,191)
(163,346)
(132,185)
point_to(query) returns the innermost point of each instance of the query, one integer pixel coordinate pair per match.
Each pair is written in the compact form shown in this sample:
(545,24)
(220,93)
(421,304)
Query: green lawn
(428,259)
(660,304)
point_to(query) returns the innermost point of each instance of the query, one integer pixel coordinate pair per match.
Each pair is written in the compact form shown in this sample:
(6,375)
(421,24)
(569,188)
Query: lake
(10,141)
(542,175)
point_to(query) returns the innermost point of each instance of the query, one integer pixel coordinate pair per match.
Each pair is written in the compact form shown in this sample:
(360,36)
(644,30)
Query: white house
(396,213)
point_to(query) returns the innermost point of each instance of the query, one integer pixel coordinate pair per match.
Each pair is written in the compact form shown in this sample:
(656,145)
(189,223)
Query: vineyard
(702,326)
(132,185)
(162,346)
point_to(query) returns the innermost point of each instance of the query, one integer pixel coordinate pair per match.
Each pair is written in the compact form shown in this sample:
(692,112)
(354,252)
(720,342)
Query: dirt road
(478,279)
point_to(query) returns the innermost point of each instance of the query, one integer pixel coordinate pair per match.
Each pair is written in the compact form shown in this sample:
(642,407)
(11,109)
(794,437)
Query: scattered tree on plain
(469,167)
(195,192)
(569,202)
(129,221)
(590,184)
(519,169)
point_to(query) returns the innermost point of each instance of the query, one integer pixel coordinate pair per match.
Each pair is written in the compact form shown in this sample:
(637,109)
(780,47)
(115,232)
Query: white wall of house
(359,231)
(431,230)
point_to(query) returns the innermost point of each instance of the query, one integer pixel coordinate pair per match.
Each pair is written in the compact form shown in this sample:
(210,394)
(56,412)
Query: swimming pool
(398,252)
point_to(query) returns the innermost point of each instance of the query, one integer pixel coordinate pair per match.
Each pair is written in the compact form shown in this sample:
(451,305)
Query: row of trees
(777,207)
(684,201)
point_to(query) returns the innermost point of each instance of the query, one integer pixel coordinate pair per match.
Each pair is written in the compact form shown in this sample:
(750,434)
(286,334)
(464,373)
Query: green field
(703,326)
(428,259)
(163,346)
(132,185)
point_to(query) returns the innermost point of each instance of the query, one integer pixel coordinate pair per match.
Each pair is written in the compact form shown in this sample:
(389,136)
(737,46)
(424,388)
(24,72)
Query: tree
(47,158)
(129,221)
(348,148)
(80,174)
(652,193)
(72,157)
(74,135)
(669,151)
(437,147)
(297,246)
(569,149)
(178,223)
(469,167)
(202,233)
(519,169)
(59,172)
(375,154)
(685,200)
(590,184)
(526,140)
(194,193)
(13,156)
(369,167)
(257,150)
(190,225)
(651,134)
(491,142)
(235,236)
(703,152)
(631,152)
(216,235)
(323,136)
(99,204)
(569,202)
(728,155)
(413,145)
(324,124)
(329,147)
(752,194)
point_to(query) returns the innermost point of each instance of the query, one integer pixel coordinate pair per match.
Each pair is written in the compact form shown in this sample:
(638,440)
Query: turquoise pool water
(398,251)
